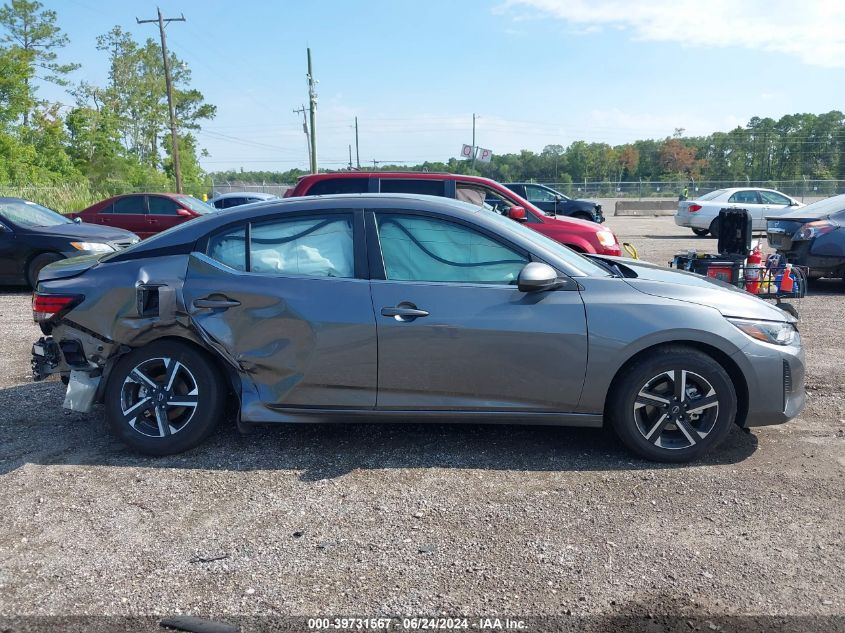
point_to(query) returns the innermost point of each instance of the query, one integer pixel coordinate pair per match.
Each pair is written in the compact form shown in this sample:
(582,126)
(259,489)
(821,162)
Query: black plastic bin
(734,233)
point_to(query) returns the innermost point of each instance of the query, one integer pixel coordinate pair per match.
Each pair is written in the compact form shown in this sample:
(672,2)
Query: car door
(541,198)
(773,204)
(162,213)
(454,332)
(749,199)
(127,212)
(285,300)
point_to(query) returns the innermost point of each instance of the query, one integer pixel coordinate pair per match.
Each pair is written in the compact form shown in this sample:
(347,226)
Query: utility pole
(174,138)
(357,153)
(312,106)
(473,140)
(350,157)
(302,111)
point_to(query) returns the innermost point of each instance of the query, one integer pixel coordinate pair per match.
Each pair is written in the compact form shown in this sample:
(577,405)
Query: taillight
(815,229)
(693,208)
(48,307)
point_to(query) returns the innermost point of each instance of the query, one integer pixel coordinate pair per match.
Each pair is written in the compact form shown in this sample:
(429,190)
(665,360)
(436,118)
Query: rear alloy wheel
(673,406)
(701,232)
(164,398)
(714,228)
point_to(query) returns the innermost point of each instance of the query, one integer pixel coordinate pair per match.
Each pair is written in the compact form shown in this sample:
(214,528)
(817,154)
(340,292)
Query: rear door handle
(216,303)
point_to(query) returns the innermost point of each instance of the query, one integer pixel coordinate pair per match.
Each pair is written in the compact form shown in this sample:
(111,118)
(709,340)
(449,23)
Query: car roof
(190,232)
(419,175)
(731,189)
(175,240)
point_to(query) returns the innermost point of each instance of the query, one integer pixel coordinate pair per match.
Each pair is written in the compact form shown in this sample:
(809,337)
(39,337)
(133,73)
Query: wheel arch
(229,374)
(727,363)
(38,253)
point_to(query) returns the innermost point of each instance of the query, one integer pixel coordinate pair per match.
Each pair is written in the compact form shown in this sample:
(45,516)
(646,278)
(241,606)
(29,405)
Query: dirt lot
(372,520)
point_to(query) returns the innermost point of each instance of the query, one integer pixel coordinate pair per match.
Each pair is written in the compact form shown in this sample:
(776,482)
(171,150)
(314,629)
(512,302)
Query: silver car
(702,214)
(391,307)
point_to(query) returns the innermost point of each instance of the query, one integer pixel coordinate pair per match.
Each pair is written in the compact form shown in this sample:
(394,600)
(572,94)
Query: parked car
(237,198)
(702,214)
(813,236)
(579,235)
(555,203)
(32,236)
(144,214)
(407,308)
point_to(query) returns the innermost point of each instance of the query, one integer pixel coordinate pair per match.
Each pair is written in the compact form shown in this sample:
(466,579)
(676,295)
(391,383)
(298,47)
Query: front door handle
(404,312)
(216,303)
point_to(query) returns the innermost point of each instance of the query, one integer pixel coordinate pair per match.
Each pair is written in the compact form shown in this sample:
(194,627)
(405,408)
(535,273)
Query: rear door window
(744,197)
(130,205)
(331,186)
(317,246)
(417,186)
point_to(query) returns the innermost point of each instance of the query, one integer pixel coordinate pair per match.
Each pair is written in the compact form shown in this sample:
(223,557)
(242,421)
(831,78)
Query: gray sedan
(391,307)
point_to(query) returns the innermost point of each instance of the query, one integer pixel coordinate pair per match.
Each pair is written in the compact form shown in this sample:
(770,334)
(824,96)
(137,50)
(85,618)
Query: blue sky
(536,71)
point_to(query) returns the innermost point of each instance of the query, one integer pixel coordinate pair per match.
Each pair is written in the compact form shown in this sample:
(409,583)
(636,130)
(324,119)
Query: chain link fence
(276,189)
(799,189)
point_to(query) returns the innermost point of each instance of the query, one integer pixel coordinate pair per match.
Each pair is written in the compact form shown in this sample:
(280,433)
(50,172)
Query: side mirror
(78,220)
(536,276)
(517,213)
(558,198)
(184,213)
(794,203)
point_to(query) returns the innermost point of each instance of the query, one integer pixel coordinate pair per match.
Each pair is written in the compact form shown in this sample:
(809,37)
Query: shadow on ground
(34,429)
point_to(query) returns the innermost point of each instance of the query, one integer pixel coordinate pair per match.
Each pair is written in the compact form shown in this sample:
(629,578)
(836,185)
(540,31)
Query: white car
(702,214)
(237,198)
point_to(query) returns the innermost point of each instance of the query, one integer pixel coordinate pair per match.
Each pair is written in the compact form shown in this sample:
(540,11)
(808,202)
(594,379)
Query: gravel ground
(373,520)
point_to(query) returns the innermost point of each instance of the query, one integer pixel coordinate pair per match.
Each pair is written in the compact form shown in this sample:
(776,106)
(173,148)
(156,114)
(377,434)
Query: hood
(84,231)
(683,286)
(565,219)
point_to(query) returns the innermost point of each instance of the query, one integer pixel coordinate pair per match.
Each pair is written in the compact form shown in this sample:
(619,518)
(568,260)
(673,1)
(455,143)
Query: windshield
(195,205)
(590,268)
(28,214)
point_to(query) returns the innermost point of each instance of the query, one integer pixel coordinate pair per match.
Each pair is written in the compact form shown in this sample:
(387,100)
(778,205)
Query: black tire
(134,408)
(714,228)
(675,431)
(36,264)
(701,232)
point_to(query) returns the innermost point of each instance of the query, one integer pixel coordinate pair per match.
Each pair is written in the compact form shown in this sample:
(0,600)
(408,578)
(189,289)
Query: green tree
(32,29)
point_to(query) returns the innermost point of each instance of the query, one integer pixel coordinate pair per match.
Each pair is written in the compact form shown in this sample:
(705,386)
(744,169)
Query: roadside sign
(466,151)
(485,155)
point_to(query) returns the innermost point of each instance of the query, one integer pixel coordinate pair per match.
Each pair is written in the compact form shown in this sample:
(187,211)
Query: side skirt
(309,415)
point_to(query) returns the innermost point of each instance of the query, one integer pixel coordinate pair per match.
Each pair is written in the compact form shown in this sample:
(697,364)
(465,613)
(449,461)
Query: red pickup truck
(580,235)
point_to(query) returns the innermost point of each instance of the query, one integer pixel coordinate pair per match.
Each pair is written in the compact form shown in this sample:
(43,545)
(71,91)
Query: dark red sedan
(144,214)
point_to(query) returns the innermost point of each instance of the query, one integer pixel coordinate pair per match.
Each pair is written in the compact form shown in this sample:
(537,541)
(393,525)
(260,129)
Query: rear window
(712,194)
(331,186)
(415,186)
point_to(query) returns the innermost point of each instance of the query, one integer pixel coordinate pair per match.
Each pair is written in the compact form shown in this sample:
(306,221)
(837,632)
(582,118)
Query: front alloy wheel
(673,404)
(676,409)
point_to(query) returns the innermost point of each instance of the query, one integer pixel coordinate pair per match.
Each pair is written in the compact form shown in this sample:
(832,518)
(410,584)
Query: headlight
(92,247)
(775,332)
(606,238)
(814,229)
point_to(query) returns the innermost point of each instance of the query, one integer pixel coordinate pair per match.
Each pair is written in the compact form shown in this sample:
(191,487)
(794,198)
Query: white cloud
(813,31)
